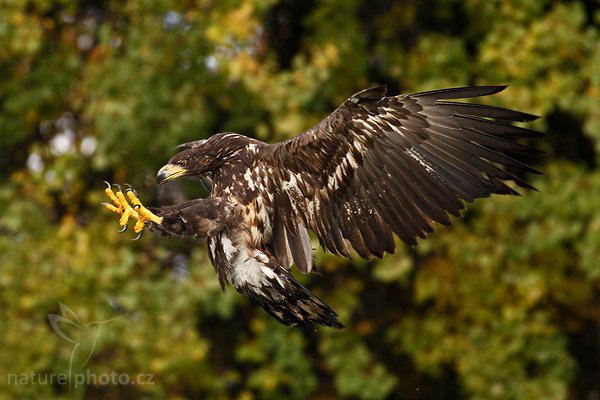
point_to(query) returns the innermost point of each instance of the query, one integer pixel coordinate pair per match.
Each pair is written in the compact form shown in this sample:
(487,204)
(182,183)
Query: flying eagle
(377,166)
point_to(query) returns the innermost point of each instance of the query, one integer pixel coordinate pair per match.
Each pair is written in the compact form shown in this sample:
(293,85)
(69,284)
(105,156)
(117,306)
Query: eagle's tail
(267,283)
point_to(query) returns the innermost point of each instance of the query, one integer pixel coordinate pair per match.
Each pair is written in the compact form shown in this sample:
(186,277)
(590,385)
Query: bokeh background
(504,305)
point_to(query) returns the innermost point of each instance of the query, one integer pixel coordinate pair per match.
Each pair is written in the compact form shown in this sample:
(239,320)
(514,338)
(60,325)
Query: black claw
(139,235)
(118,186)
(136,206)
(124,229)
(130,188)
(107,184)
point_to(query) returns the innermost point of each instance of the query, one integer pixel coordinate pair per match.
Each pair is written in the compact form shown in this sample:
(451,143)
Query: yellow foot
(125,210)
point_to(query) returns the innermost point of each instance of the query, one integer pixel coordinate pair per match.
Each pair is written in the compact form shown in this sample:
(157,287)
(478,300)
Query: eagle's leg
(124,208)
(194,218)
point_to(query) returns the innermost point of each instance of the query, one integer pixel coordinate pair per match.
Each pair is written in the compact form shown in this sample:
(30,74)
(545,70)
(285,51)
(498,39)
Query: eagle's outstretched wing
(398,164)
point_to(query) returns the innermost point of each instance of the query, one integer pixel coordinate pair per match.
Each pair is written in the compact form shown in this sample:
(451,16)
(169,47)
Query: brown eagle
(377,166)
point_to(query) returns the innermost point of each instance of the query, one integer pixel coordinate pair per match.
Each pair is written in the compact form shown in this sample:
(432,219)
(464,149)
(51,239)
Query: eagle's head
(202,157)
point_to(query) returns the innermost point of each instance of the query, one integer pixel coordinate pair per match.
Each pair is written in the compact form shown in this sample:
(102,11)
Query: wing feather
(397,164)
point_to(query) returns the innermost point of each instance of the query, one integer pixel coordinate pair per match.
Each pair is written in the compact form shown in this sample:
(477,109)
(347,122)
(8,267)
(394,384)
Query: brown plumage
(375,167)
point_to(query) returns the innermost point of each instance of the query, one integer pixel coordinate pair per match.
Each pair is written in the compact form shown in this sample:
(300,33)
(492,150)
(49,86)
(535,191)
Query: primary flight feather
(375,167)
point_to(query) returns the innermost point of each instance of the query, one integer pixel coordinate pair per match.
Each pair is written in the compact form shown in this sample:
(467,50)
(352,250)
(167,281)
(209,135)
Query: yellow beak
(169,172)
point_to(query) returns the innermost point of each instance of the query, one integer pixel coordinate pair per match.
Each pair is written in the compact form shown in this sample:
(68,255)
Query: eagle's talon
(143,213)
(112,208)
(131,208)
(107,184)
(139,235)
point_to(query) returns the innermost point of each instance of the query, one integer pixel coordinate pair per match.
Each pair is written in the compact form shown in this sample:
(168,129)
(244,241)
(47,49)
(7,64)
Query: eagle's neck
(236,175)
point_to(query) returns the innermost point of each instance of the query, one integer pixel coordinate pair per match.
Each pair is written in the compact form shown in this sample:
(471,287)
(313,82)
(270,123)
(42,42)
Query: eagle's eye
(182,163)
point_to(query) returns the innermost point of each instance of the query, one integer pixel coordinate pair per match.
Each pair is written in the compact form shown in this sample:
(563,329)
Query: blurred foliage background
(504,305)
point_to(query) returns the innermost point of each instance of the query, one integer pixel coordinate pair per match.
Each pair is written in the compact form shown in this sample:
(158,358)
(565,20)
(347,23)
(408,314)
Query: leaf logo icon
(68,318)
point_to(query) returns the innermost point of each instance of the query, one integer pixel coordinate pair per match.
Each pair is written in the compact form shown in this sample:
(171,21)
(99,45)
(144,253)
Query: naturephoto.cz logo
(83,339)
(79,379)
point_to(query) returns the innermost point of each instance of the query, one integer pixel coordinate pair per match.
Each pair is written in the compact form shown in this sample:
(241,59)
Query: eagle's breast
(243,181)
(257,207)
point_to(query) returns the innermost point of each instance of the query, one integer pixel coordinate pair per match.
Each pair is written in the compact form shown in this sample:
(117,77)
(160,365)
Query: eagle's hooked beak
(169,172)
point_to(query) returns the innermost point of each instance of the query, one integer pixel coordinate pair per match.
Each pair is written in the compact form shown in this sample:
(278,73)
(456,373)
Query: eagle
(376,167)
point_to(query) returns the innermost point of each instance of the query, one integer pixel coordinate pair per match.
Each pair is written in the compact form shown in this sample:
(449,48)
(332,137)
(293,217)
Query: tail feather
(274,289)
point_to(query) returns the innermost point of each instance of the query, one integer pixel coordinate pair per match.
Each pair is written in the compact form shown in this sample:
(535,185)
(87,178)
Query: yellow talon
(109,192)
(122,207)
(128,211)
(143,213)
(139,225)
(112,208)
